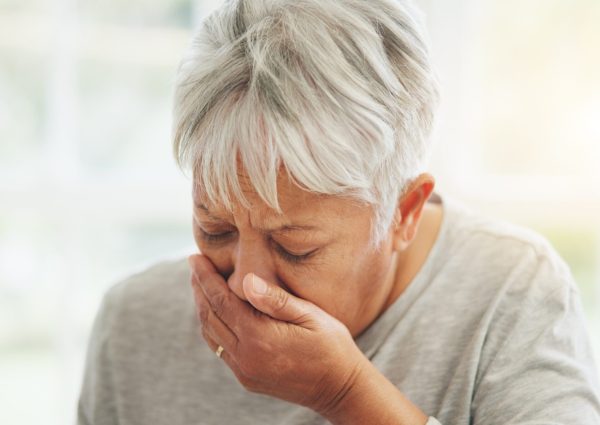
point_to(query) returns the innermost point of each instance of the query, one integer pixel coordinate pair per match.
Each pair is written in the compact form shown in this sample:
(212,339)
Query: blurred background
(89,192)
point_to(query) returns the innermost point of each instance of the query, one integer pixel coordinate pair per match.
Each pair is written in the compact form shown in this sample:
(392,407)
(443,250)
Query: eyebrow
(278,229)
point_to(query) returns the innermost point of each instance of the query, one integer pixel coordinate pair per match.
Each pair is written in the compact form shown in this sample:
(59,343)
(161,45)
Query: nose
(250,256)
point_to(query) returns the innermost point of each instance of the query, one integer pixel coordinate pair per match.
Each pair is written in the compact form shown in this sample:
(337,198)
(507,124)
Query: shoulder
(515,282)
(497,274)
(531,337)
(492,233)
(151,283)
(144,319)
(154,300)
(501,253)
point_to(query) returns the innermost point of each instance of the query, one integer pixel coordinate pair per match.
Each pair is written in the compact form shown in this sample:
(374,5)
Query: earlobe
(400,244)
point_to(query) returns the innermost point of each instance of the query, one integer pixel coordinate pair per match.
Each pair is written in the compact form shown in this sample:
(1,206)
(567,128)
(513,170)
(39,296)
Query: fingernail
(258,285)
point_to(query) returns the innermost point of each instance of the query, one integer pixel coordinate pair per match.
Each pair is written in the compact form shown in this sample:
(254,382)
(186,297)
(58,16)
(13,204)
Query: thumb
(278,303)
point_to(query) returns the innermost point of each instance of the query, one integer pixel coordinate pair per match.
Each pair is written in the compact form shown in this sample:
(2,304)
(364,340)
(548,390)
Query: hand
(277,344)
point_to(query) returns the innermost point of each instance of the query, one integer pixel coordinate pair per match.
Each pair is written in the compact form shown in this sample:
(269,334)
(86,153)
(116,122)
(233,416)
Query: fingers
(226,355)
(279,304)
(212,327)
(223,302)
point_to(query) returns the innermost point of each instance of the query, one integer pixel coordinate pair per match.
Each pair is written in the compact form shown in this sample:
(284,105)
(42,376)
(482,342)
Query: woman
(332,284)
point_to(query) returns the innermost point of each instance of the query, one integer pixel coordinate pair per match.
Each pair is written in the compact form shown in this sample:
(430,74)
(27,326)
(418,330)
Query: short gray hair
(339,93)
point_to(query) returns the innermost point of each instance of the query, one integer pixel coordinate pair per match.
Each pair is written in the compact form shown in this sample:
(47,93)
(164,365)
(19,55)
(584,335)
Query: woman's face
(318,250)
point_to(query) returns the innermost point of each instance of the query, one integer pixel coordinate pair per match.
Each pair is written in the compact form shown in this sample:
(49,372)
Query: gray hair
(339,93)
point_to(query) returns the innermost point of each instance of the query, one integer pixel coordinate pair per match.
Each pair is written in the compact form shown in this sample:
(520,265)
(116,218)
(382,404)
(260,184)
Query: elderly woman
(332,284)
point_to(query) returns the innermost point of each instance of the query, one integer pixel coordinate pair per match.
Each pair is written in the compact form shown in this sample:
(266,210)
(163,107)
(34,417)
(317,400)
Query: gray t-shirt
(490,331)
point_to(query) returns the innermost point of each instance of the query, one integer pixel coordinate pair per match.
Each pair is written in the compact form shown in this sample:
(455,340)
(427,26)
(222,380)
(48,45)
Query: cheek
(359,287)
(312,282)
(220,257)
(303,282)
(327,284)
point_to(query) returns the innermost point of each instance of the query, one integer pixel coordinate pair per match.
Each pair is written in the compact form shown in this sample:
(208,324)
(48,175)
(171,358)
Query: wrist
(369,397)
(349,394)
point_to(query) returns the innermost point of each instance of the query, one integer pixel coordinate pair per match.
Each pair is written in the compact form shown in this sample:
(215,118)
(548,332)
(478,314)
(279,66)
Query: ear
(409,209)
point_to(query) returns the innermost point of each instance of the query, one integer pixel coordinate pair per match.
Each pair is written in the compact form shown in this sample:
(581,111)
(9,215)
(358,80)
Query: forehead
(292,199)
(297,204)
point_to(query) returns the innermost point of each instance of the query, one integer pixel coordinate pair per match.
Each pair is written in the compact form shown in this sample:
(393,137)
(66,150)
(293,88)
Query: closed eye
(216,238)
(292,258)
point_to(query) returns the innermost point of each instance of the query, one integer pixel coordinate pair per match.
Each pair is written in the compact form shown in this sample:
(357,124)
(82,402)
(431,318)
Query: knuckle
(203,314)
(219,302)
(280,300)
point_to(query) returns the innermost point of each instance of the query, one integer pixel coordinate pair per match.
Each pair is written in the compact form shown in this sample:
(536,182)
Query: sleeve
(96,405)
(536,365)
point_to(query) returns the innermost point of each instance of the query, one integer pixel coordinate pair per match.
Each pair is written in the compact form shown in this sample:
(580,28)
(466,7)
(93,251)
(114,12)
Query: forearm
(374,399)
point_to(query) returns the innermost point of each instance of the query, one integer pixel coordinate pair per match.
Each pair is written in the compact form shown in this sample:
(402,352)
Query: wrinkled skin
(324,286)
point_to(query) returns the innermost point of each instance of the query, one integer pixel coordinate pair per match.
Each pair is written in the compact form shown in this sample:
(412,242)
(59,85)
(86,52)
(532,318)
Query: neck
(409,262)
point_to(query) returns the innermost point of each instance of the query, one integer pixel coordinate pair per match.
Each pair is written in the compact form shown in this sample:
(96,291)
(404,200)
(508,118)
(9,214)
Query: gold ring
(219,351)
